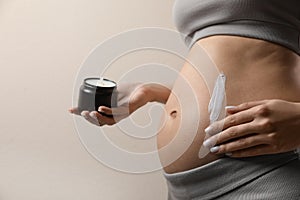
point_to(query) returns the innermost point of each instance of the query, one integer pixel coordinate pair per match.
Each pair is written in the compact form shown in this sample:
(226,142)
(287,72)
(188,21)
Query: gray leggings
(273,177)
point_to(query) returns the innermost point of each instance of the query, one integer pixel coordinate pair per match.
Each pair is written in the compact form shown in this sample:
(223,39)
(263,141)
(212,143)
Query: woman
(256,45)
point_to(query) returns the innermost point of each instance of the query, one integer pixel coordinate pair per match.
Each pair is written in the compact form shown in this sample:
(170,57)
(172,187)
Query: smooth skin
(130,98)
(265,127)
(256,70)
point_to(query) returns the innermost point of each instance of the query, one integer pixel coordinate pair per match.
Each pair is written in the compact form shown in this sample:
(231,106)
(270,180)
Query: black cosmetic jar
(95,92)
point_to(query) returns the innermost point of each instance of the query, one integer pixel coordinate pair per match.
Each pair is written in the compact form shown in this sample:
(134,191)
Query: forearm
(157,92)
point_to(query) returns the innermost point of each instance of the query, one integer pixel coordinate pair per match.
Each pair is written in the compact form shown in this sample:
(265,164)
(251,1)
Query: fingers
(74,111)
(241,144)
(105,110)
(240,114)
(101,119)
(97,119)
(263,149)
(243,106)
(229,121)
(90,117)
(121,110)
(231,133)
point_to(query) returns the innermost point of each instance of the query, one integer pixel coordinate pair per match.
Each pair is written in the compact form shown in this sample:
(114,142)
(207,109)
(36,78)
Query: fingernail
(215,149)
(208,143)
(84,113)
(228,154)
(93,115)
(230,107)
(208,130)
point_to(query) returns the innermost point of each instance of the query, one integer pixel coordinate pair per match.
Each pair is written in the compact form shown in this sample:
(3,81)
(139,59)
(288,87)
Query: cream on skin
(215,108)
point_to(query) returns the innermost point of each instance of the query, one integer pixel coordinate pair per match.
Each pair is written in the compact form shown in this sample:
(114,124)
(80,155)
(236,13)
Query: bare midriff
(254,70)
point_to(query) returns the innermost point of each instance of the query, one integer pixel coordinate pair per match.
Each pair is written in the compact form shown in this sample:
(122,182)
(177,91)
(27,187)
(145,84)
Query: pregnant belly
(255,70)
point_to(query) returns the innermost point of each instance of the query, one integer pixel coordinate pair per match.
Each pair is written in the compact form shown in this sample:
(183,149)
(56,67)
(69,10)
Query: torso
(255,70)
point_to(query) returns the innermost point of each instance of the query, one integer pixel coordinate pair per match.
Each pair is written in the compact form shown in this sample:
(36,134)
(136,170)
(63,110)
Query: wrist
(156,92)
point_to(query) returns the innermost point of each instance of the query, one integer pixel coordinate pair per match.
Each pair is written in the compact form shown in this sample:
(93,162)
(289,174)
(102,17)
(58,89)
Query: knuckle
(263,110)
(224,148)
(245,105)
(232,132)
(242,142)
(231,120)
(217,129)
(272,102)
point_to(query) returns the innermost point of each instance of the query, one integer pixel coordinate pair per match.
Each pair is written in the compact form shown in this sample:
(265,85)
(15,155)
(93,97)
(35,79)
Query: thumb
(121,110)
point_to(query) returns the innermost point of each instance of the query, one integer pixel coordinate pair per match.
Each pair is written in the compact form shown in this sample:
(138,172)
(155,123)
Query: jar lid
(100,83)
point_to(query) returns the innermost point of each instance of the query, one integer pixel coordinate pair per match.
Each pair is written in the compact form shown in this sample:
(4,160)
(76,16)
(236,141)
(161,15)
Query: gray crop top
(276,21)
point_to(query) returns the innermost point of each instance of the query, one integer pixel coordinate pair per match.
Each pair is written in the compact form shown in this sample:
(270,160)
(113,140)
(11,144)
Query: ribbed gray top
(276,21)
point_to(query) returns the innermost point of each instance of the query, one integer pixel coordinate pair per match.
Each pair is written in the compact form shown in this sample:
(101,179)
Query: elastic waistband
(222,176)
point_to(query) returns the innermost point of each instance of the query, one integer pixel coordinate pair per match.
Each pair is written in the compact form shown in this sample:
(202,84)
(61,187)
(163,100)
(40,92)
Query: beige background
(42,44)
